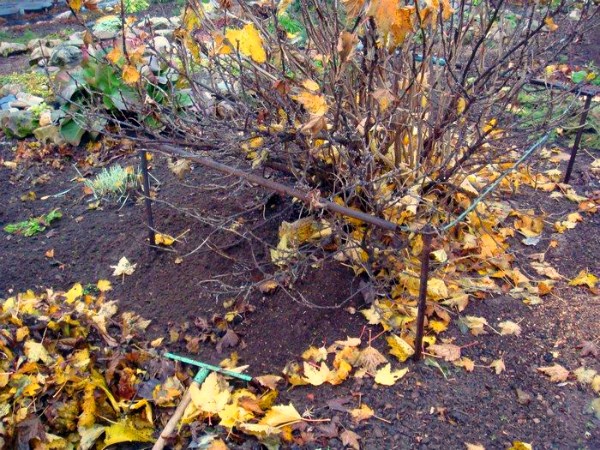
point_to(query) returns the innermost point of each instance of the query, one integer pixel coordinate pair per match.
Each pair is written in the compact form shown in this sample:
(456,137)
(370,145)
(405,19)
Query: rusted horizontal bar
(589,91)
(307,197)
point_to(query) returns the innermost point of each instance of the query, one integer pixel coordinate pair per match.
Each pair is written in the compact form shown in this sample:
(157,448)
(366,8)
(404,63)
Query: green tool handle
(210,367)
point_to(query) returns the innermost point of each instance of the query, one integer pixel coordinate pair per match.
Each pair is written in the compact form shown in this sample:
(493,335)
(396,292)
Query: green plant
(34,83)
(115,182)
(134,6)
(33,226)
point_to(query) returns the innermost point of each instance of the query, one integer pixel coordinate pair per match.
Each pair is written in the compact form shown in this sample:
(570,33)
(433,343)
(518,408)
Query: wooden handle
(174,420)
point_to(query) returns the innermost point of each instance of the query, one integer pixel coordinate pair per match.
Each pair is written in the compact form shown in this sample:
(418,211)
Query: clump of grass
(34,83)
(33,226)
(114,183)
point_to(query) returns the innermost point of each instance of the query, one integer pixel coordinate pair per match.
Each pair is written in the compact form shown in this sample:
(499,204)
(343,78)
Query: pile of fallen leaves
(75,373)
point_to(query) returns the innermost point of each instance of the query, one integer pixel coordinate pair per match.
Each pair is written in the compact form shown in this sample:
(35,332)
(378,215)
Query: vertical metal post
(147,200)
(578,136)
(427,235)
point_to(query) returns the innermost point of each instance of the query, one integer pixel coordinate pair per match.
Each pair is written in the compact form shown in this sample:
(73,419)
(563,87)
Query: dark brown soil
(426,409)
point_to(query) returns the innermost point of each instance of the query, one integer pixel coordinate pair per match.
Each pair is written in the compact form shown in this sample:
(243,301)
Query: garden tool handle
(178,414)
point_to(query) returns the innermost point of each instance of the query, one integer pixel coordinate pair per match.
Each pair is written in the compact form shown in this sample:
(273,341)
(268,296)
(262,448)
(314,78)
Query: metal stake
(147,200)
(427,235)
(578,136)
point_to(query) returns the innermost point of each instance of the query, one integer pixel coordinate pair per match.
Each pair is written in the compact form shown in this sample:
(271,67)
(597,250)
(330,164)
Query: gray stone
(75,41)
(38,54)
(165,33)
(161,44)
(11,89)
(66,55)
(19,124)
(49,134)
(8,8)
(63,15)
(157,23)
(12,48)
(29,100)
(105,35)
(36,43)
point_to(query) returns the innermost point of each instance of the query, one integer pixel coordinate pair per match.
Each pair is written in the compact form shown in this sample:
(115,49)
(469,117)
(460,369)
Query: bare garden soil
(426,409)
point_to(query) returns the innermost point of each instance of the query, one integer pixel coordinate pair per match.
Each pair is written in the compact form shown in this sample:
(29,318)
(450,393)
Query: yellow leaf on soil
(400,348)
(386,377)
(212,396)
(123,267)
(125,431)
(475,324)
(35,352)
(362,413)
(281,415)
(104,285)
(498,366)
(584,278)
(518,445)
(315,354)
(74,293)
(163,239)
(436,289)
(316,376)
(249,42)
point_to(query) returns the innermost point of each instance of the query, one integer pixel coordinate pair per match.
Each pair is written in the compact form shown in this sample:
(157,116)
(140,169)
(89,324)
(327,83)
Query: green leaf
(71,132)
(579,76)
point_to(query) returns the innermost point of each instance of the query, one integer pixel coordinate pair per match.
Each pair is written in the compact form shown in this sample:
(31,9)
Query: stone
(66,55)
(49,134)
(157,23)
(19,124)
(161,44)
(29,100)
(12,48)
(6,101)
(11,89)
(165,33)
(38,54)
(45,119)
(37,42)
(63,16)
(75,41)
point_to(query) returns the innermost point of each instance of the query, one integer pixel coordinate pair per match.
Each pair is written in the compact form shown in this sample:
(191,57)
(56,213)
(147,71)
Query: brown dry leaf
(557,373)
(180,167)
(475,324)
(589,348)
(362,413)
(449,352)
(268,286)
(350,439)
(268,381)
(369,358)
(345,46)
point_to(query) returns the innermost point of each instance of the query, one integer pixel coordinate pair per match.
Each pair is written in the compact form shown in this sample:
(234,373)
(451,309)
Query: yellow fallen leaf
(163,239)
(549,21)
(475,324)
(315,354)
(104,285)
(114,55)
(248,41)
(474,446)
(437,289)
(518,445)
(310,85)
(584,278)
(386,377)
(281,415)
(400,348)
(74,293)
(126,431)
(465,363)
(316,376)
(36,351)
(362,413)
(212,396)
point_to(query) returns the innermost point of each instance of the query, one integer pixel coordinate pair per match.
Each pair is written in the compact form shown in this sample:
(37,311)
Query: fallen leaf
(584,278)
(474,446)
(518,445)
(557,373)
(498,366)
(125,431)
(387,377)
(123,267)
(509,327)
(449,352)
(104,285)
(74,293)
(362,413)
(281,415)
(248,42)
(400,348)
(350,439)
